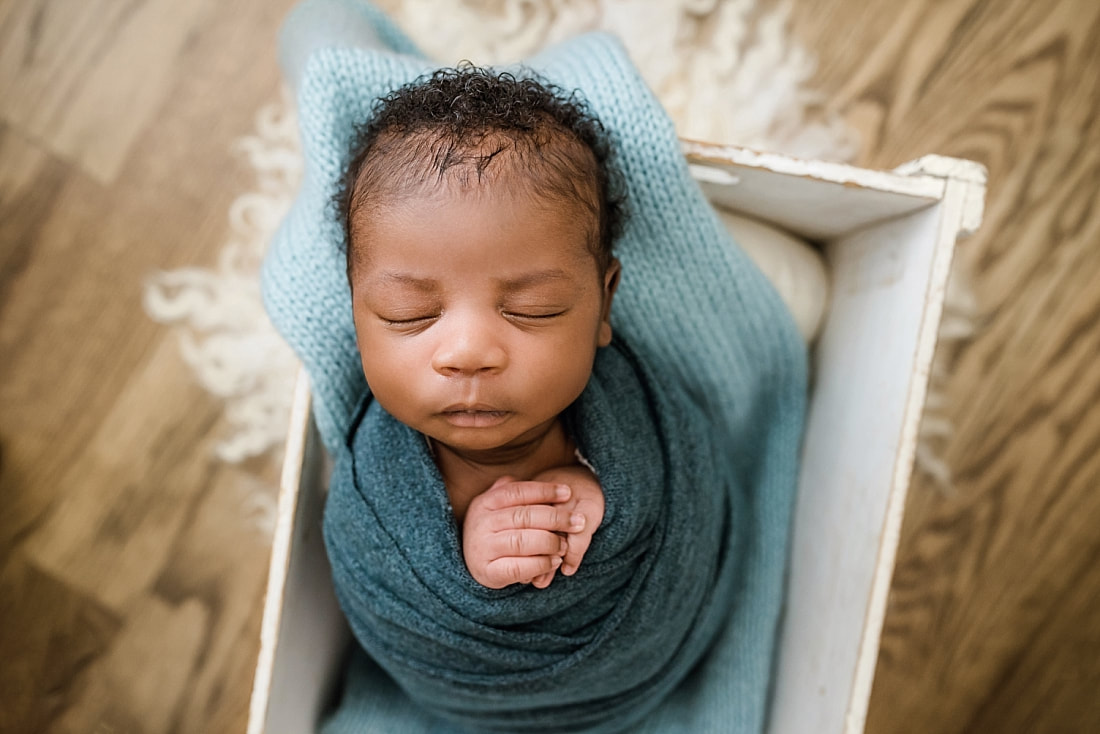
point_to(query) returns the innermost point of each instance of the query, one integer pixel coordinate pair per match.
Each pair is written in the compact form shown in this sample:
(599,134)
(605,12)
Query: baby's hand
(512,533)
(586,502)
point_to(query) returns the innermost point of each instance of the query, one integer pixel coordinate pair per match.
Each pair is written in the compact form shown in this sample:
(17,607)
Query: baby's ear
(610,285)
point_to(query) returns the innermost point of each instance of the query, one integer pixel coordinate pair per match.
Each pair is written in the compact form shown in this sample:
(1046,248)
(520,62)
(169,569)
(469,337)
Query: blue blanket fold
(661,569)
(670,624)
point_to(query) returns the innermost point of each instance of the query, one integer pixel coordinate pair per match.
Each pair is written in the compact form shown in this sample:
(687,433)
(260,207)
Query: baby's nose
(469,347)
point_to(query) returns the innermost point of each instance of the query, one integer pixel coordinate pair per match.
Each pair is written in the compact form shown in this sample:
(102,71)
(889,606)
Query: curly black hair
(453,123)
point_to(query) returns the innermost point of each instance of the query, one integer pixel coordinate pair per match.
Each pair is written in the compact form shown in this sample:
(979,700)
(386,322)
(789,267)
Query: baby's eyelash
(423,320)
(406,322)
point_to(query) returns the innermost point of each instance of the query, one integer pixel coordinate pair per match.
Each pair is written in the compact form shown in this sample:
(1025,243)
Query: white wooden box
(888,240)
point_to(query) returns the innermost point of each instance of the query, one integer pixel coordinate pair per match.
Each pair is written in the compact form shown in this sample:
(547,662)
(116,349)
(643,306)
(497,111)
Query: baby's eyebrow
(426,285)
(529,280)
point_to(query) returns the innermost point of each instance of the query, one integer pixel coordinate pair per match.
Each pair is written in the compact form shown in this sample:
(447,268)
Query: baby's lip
(472,408)
(476,415)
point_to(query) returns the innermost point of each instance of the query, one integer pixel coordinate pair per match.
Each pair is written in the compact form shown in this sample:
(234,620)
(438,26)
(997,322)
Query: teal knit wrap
(593,652)
(691,304)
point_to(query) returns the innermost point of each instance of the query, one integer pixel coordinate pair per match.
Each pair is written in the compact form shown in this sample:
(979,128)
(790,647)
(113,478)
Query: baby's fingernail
(568,570)
(555,561)
(576,521)
(562,492)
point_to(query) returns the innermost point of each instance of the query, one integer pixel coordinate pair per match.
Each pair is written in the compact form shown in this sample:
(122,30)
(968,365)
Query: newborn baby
(479,217)
(535,524)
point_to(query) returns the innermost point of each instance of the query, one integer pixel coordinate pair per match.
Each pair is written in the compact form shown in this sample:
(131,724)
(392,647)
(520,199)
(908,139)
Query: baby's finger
(513,494)
(521,569)
(541,582)
(577,546)
(554,518)
(525,543)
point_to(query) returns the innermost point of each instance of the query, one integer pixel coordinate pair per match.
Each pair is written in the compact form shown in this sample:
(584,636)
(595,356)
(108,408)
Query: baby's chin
(478,441)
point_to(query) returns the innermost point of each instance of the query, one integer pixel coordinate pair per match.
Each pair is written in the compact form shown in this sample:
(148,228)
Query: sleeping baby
(479,217)
(535,522)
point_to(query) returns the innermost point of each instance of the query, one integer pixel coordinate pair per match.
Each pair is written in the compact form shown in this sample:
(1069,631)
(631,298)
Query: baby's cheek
(392,382)
(569,367)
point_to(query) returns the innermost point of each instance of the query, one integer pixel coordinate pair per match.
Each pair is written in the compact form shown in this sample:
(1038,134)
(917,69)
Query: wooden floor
(131,572)
(993,623)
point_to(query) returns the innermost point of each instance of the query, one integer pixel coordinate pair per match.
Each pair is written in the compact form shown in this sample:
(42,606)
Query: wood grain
(994,616)
(131,569)
(133,563)
(89,77)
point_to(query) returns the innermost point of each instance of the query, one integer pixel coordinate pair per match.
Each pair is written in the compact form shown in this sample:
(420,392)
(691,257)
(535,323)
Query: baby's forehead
(556,221)
(553,180)
(495,235)
(563,204)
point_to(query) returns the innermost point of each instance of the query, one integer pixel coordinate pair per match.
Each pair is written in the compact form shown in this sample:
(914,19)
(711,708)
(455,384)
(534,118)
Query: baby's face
(478,313)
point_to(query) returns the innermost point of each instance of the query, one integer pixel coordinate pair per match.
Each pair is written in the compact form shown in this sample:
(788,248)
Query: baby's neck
(467,474)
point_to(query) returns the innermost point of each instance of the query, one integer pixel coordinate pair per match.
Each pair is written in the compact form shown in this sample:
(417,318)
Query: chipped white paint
(712,175)
(816,200)
(735,156)
(956,169)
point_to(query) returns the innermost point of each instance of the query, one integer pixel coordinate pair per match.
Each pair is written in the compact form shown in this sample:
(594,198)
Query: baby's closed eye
(396,320)
(534,313)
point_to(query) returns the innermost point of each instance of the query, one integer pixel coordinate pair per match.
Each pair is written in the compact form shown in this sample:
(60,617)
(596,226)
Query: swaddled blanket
(692,419)
(602,646)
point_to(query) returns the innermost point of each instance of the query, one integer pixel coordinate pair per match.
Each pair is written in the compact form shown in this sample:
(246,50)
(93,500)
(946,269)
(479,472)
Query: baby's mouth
(474,416)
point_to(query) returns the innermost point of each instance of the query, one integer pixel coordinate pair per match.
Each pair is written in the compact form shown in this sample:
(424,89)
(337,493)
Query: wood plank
(29,183)
(45,663)
(112,492)
(138,684)
(142,495)
(220,558)
(1056,672)
(69,72)
(804,197)
(994,581)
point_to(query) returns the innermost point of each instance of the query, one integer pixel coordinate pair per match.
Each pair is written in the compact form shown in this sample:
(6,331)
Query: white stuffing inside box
(794,266)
